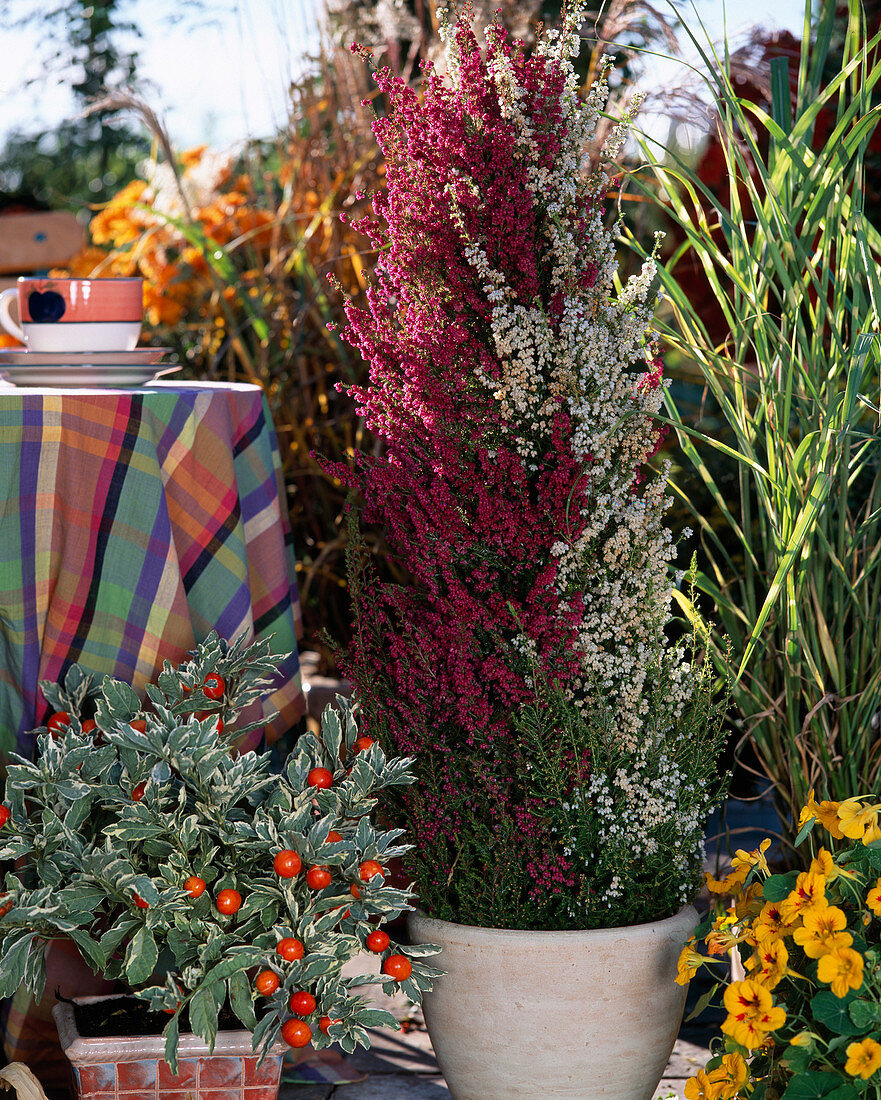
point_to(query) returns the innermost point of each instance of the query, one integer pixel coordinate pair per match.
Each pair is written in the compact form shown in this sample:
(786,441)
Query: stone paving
(401,1066)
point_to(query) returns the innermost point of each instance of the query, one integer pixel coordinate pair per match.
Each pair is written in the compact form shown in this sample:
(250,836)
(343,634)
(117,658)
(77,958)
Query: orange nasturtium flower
(873,898)
(751,1013)
(825,812)
(841,969)
(721,1083)
(809,893)
(822,931)
(863,1058)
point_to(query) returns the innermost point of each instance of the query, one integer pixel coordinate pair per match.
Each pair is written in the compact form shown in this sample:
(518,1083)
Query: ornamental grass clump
(565,749)
(805,1020)
(198,878)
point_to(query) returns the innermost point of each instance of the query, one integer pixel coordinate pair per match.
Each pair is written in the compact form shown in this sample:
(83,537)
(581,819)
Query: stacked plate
(84,368)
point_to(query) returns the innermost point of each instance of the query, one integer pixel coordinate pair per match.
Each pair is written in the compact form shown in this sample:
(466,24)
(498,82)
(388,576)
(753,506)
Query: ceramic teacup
(75,314)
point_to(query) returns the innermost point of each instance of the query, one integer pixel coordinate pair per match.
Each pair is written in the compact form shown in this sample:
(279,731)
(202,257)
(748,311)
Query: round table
(133,523)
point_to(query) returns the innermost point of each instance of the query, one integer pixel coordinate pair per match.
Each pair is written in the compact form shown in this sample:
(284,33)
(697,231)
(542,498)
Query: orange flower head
(752,859)
(769,924)
(825,812)
(730,884)
(855,819)
(690,961)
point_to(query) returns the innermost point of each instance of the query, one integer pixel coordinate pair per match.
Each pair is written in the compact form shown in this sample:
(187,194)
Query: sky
(222,79)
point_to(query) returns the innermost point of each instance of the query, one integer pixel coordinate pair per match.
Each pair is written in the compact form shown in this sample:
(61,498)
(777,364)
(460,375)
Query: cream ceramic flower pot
(556,1014)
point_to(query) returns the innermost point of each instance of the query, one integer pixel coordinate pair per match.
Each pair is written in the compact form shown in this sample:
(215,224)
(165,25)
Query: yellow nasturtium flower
(825,812)
(809,893)
(823,864)
(751,1013)
(822,931)
(769,924)
(730,884)
(722,1083)
(855,819)
(863,1058)
(690,961)
(752,859)
(841,969)
(768,965)
(873,898)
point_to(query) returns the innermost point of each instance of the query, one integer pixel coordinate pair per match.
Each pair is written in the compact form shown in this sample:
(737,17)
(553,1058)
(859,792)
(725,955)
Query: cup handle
(6,321)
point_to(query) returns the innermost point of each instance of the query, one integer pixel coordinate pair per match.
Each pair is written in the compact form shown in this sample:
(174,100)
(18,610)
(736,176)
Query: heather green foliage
(108,825)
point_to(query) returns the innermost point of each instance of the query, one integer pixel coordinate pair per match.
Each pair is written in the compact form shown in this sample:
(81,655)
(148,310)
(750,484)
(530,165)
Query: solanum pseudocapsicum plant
(185,872)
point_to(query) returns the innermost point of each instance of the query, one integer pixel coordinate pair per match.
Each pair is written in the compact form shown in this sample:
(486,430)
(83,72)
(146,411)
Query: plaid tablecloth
(134,522)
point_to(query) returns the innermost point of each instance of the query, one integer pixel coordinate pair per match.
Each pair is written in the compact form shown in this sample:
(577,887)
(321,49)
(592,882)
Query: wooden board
(37,242)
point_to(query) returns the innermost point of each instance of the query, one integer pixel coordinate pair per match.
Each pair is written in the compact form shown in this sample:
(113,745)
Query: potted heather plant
(565,747)
(226,897)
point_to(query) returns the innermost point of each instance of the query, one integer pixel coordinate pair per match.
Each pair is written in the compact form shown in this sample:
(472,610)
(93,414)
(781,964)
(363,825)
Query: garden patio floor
(401,1066)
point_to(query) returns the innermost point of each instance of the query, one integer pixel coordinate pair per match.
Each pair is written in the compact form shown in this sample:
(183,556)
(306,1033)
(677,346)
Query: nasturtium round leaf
(834,1013)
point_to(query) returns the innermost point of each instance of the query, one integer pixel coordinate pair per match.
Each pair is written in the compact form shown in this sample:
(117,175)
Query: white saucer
(21,357)
(89,376)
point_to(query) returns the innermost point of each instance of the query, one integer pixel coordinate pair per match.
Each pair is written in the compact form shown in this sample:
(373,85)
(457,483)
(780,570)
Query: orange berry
(302,1003)
(289,948)
(296,1033)
(321,778)
(368,869)
(266,982)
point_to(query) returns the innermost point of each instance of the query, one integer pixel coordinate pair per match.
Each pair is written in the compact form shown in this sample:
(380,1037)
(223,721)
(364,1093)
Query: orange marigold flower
(751,1013)
(809,893)
(863,1058)
(841,969)
(191,157)
(873,898)
(119,222)
(822,930)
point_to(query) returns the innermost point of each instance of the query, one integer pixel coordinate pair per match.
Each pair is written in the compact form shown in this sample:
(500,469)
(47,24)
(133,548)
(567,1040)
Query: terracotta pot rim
(471,930)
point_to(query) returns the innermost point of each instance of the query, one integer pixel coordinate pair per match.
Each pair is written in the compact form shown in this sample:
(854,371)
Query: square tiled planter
(134,1067)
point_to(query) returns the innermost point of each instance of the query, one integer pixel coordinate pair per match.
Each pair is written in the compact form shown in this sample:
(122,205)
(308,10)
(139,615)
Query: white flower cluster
(593,358)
